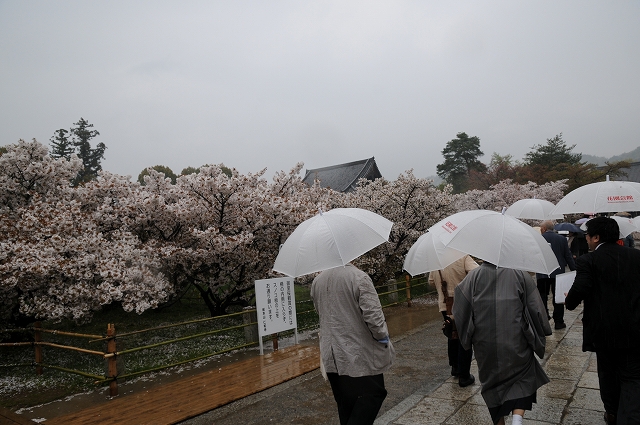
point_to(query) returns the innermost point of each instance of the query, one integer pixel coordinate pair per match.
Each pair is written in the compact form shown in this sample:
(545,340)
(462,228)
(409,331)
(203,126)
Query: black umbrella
(570,227)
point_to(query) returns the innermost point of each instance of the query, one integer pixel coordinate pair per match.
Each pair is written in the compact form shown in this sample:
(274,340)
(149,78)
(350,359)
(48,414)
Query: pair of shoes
(466,382)
(561,325)
(454,371)
(609,419)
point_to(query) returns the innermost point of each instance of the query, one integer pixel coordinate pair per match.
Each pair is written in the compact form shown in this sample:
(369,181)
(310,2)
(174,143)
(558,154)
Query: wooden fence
(113,353)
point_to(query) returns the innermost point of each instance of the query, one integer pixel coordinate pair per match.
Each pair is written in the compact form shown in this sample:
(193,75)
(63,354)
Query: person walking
(608,282)
(577,244)
(445,282)
(355,348)
(499,312)
(560,248)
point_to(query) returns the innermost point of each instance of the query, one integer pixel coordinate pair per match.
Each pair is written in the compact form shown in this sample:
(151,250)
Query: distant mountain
(633,156)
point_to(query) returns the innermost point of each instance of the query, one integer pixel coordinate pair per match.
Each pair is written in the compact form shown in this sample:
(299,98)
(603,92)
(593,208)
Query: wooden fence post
(274,340)
(392,287)
(408,287)
(37,337)
(250,331)
(112,368)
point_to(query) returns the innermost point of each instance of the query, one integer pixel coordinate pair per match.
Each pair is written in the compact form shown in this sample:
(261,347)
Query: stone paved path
(572,396)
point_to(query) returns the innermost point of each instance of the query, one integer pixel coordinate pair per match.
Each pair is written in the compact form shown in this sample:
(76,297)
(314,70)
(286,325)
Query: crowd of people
(500,315)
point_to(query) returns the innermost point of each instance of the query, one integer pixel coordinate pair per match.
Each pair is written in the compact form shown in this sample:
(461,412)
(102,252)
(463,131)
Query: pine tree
(552,154)
(460,158)
(81,136)
(61,146)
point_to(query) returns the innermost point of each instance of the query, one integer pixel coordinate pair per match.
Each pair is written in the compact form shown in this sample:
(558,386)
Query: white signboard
(564,282)
(276,306)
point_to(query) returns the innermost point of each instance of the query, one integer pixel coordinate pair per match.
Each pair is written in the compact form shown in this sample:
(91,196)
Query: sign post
(276,307)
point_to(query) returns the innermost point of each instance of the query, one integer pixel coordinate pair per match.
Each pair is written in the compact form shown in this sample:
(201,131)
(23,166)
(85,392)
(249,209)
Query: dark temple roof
(344,177)
(633,173)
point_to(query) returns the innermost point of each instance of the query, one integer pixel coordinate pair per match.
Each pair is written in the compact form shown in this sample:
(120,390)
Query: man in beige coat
(459,358)
(355,348)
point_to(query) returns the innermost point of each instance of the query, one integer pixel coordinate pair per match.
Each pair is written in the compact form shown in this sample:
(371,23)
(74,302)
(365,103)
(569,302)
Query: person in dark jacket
(608,281)
(560,248)
(577,244)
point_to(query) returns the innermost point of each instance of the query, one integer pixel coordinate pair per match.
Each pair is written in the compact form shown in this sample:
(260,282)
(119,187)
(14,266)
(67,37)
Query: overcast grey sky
(256,84)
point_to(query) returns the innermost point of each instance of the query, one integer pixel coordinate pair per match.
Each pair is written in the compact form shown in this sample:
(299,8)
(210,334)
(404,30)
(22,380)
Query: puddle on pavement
(401,319)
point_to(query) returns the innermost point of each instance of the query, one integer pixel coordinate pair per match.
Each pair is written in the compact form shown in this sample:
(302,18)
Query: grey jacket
(351,323)
(500,313)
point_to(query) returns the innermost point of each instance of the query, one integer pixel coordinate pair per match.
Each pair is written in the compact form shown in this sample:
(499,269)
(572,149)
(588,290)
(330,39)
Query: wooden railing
(113,353)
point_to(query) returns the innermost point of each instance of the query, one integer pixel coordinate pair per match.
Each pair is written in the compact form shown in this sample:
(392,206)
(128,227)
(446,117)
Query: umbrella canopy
(500,239)
(534,209)
(428,253)
(331,239)
(569,227)
(626,225)
(607,196)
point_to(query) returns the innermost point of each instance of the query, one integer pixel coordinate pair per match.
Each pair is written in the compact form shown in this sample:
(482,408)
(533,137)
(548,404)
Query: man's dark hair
(606,228)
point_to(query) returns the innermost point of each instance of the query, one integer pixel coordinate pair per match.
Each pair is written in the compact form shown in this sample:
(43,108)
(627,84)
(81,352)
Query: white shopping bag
(564,282)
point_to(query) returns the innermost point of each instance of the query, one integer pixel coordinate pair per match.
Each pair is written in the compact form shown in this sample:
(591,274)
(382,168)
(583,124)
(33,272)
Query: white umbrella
(428,253)
(626,225)
(534,209)
(584,219)
(331,239)
(607,196)
(500,239)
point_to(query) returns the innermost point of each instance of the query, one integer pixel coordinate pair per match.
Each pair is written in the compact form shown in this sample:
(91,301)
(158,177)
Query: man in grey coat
(355,348)
(500,313)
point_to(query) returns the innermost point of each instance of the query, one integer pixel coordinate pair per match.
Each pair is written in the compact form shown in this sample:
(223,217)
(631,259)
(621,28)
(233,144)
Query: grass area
(21,387)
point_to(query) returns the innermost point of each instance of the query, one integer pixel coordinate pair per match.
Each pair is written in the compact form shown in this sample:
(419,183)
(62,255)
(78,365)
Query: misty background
(256,84)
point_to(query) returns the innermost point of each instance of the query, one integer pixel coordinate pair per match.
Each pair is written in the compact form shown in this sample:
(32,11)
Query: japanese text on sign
(276,305)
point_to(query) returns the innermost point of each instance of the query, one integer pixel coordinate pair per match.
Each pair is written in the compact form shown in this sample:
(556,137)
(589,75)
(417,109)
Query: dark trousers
(359,399)
(544,285)
(459,358)
(619,378)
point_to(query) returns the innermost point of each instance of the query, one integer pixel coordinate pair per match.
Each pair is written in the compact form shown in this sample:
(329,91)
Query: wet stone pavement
(572,396)
(421,391)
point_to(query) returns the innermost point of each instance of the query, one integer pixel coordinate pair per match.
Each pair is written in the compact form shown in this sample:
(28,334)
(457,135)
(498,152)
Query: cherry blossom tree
(506,193)
(57,259)
(26,170)
(57,264)
(220,233)
(67,251)
(412,204)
